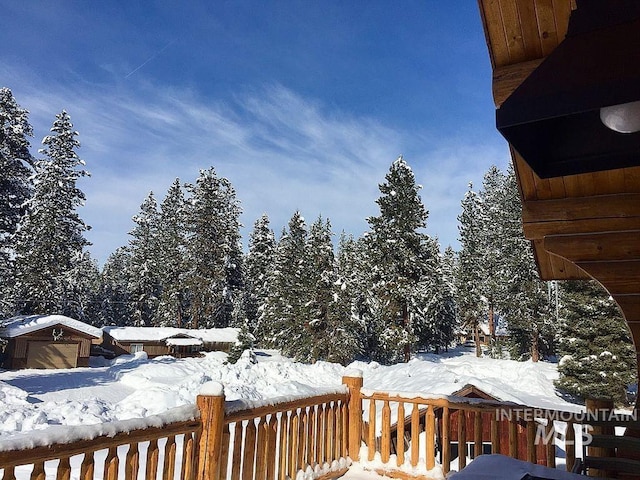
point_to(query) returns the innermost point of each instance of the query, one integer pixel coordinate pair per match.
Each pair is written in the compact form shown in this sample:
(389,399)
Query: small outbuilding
(503,425)
(46,341)
(178,342)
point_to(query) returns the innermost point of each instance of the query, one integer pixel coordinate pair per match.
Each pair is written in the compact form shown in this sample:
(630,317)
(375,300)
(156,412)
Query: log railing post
(353,380)
(462,439)
(430,431)
(210,402)
(570,446)
(477,433)
(550,447)
(599,409)
(445,438)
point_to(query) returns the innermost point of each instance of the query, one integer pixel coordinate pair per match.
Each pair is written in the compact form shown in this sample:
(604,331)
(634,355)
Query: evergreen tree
(319,287)
(493,235)
(144,285)
(332,332)
(15,186)
(449,263)
(258,266)
(115,308)
(526,302)
(469,295)
(399,257)
(51,238)
(83,290)
(597,357)
(172,306)
(437,330)
(351,301)
(283,315)
(213,251)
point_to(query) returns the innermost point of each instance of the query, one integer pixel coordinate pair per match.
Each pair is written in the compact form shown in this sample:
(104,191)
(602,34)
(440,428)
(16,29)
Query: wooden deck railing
(315,435)
(407,433)
(397,424)
(167,450)
(276,442)
(264,442)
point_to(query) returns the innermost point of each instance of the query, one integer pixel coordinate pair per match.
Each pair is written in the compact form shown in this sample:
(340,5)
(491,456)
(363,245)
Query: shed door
(52,355)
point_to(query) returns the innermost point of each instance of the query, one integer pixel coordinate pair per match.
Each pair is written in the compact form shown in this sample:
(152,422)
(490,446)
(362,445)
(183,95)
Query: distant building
(467,336)
(178,342)
(46,341)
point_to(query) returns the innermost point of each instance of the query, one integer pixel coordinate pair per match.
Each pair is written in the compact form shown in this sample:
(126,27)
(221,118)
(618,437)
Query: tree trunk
(535,350)
(492,325)
(476,335)
(405,321)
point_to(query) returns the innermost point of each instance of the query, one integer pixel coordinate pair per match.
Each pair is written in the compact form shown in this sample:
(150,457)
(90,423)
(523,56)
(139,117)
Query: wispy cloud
(280,150)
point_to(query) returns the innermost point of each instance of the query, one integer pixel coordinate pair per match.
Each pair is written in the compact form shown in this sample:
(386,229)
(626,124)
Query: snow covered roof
(501,330)
(159,334)
(184,342)
(23,324)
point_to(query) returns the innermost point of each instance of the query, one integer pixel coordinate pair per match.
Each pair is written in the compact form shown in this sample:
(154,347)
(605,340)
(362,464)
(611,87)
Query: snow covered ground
(135,387)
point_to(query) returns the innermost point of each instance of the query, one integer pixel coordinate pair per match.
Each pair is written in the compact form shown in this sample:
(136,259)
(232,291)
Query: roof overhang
(584,225)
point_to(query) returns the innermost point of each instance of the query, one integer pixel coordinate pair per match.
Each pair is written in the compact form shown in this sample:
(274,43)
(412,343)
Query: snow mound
(136,387)
(10,395)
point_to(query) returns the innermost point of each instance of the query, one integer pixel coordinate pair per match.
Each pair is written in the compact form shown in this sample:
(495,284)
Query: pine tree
(353,298)
(172,305)
(258,266)
(400,257)
(15,185)
(597,358)
(283,315)
(83,290)
(51,238)
(213,252)
(469,294)
(438,314)
(449,263)
(493,235)
(144,285)
(318,290)
(525,299)
(331,331)
(115,302)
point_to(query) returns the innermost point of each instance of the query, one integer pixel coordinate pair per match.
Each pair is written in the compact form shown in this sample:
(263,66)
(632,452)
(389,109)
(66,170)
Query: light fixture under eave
(623,118)
(555,118)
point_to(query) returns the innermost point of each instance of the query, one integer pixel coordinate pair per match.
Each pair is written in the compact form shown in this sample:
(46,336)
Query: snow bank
(10,395)
(136,387)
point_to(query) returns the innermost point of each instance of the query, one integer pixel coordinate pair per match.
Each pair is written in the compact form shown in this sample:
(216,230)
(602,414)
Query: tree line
(381,296)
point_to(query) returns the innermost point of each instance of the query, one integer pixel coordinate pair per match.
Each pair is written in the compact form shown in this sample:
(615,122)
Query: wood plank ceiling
(581,226)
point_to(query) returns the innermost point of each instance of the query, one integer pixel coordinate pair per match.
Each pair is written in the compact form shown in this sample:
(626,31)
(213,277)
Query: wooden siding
(20,349)
(159,347)
(581,226)
(152,349)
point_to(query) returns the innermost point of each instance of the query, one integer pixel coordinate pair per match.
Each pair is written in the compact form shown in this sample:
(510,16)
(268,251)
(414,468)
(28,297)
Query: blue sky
(303,105)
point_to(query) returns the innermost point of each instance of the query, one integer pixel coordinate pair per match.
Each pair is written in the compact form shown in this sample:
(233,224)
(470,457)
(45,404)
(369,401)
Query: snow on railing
(161,444)
(304,438)
(295,437)
(286,437)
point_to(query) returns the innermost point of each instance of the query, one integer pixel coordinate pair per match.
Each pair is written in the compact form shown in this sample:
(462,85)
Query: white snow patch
(213,389)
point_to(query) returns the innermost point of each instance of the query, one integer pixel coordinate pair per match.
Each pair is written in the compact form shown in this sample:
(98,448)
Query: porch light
(579,111)
(623,118)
